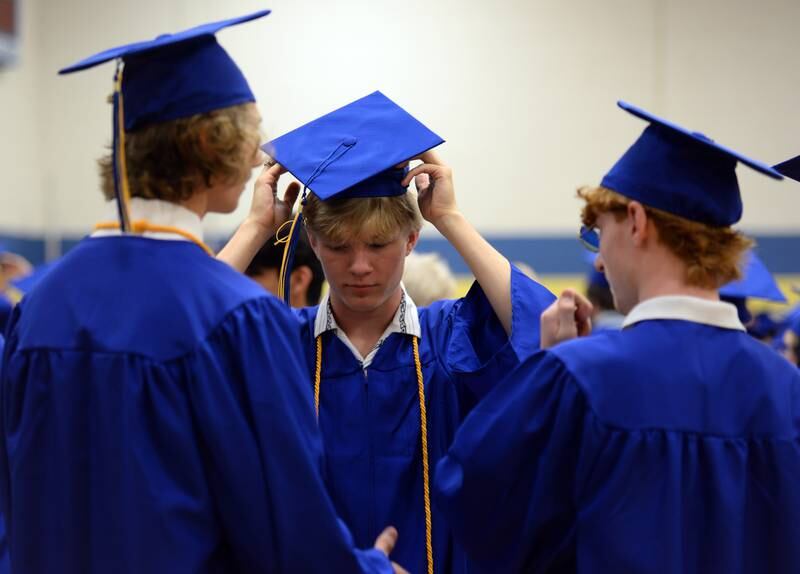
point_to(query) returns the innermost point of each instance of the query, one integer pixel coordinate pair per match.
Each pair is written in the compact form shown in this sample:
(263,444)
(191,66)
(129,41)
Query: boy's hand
(268,211)
(569,317)
(434,182)
(386,542)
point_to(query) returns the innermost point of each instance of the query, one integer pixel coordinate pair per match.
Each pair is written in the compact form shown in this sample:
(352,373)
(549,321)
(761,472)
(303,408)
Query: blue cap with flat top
(354,151)
(176,75)
(681,172)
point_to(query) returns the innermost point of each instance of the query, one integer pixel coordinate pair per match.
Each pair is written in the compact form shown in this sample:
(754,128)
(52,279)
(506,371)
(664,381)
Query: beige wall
(523,91)
(21,209)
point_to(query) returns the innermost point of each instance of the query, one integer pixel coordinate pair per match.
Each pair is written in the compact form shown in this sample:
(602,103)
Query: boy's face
(614,259)
(364,273)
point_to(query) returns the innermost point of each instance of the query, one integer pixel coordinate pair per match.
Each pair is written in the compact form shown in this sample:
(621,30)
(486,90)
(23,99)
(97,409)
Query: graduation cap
(351,152)
(682,172)
(756,282)
(173,76)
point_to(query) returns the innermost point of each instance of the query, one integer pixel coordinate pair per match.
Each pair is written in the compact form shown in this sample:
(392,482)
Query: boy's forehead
(369,231)
(370,234)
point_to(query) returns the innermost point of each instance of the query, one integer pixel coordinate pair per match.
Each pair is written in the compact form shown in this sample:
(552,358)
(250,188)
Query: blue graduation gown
(4,559)
(6,307)
(668,447)
(370,420)
(155,418)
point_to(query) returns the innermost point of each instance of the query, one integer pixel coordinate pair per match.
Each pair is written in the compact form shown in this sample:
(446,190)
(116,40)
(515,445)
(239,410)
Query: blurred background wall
(524,92)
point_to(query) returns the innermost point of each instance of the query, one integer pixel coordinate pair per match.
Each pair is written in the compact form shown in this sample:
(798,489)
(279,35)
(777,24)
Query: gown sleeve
(6,346)
(506,484)
(5,567)
(477,350)
(263,449)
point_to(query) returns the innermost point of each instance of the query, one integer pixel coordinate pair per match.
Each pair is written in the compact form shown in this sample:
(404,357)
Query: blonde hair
(379,218)
(428,278)
(712,255)
(167,160)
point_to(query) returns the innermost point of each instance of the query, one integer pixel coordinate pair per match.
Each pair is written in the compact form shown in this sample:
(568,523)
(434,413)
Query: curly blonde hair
(167,160)
(712,255)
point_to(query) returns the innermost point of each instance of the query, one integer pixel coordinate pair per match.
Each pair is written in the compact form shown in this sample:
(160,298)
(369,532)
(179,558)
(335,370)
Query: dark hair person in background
(306,276)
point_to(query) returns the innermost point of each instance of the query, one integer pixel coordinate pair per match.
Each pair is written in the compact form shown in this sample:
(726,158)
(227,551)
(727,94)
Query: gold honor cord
(423,423)
(122,165)
(141,226)
(426,482)
(318,374)
(287,241)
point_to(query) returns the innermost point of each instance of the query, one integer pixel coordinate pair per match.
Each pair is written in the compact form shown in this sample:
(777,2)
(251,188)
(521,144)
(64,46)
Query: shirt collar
(685,308)
(156,212)
(405,320)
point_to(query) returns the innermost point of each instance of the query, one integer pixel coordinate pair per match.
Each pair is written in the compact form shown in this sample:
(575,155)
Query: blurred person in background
(13,267)
(427,278)
(791,341)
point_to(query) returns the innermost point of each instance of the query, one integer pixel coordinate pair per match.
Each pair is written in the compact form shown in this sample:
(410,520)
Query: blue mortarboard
(756,283)
(176,75)
(681,172)
(173,76)
(790,168)
(352,151)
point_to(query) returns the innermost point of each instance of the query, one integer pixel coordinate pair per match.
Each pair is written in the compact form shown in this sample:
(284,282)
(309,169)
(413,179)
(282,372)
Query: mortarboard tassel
(118,160)
(290,241)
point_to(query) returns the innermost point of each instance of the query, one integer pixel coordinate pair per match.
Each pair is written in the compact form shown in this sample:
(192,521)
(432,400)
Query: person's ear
(300,281)
(411,241)
(637,217)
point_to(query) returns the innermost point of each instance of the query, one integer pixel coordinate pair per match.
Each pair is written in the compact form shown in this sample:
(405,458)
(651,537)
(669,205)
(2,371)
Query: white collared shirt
(156,212)
(405,321)
(685,308)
